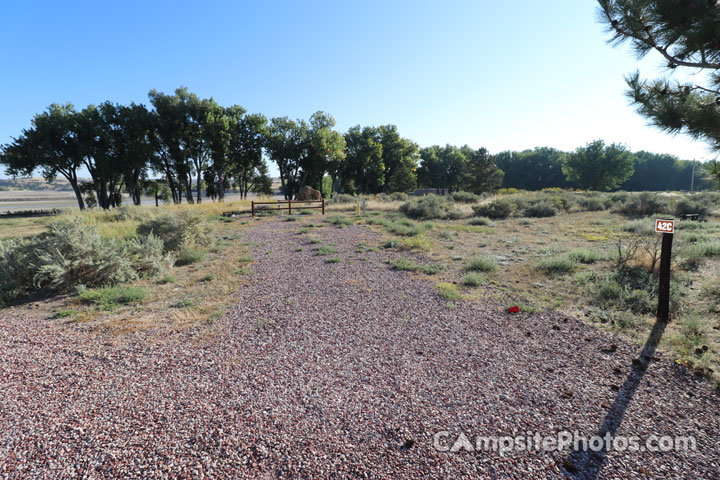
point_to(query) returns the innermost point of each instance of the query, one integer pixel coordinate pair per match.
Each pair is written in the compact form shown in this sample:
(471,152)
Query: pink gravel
(342,370)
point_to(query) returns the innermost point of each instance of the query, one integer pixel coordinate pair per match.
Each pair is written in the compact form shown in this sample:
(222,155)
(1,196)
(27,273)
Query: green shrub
(642,204)
(110,297)
(583,255)
(473,279)
(501,208)
(593,204)
(65,313)
(74,253)
(189,255)
(398,197)
(333,260)
(540,210)
(687,206)
(480,264)
(428,207)
(465,197)
(342,198)
(693,255)
(148,256)
(557,265)
(178,230)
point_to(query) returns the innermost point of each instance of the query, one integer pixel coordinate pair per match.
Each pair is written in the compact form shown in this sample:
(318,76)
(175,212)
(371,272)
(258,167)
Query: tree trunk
(198,182)
(221,187)
(76,189)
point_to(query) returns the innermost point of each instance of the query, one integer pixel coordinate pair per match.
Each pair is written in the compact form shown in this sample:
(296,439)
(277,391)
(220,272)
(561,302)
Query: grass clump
(409,266)
(448,291)
(340,221)
(586,256)
(473,279)
(110,297)
(333,260)
(479,264)
(325,250)
(189,255)
(480,221)
(65,313)
(557,265)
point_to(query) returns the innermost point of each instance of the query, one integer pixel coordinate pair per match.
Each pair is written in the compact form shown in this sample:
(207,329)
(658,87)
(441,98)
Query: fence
(277,205)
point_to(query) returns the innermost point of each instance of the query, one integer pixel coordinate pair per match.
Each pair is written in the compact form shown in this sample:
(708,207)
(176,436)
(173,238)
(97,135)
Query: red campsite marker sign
(664,226)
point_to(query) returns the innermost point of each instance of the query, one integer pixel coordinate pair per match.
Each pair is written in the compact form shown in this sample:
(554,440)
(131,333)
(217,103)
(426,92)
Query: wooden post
(663,310)
(252,207)
(323,205)
(289,207)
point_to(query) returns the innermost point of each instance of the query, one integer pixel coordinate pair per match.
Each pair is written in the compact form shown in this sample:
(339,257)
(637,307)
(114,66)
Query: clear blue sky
(502,75)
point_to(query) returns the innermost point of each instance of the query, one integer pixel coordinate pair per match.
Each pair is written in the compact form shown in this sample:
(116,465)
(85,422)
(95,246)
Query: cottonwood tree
(363,170)
(687,35)
(599,167)
(304,151)
(480,173)
(534,169)
(400,159)
(48,145)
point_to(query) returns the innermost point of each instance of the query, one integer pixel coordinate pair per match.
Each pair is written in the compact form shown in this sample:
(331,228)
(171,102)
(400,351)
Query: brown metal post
(663,311)
(323,205)
(252,206)
(289,207)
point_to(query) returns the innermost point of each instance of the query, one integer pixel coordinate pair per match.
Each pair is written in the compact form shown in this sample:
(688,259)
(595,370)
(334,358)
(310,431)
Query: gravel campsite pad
(338,370)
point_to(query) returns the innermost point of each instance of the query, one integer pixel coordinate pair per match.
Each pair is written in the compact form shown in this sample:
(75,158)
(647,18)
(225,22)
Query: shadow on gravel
(586,465)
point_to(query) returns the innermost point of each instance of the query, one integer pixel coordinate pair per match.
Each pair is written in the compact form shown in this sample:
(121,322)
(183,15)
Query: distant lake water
(19,200)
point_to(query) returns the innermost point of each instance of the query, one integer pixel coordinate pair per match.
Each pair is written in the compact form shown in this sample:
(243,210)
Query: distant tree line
(600,167)
(196,145)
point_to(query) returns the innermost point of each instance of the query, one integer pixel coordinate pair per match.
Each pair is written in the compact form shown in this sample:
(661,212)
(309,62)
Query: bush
(429,206)
(107,298)
(593,204)
(465,197)
(74,253)
(480,264)
(399,197)
(178,230)
(686,205)
(643,204)
(188,256)
(342,198)
(148,255)
(501,208)
(540,210)
(557,265)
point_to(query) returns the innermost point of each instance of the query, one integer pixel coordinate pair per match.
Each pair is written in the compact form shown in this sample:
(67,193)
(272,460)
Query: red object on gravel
(514,309)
